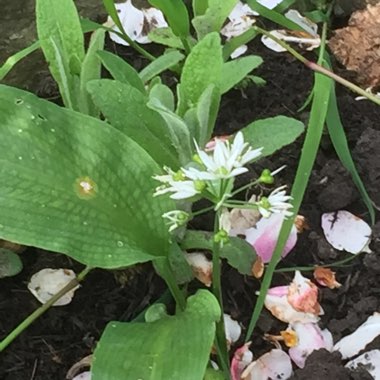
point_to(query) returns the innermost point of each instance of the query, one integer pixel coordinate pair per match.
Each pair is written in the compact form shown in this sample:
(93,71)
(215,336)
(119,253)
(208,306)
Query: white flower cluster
(212,177)
(225,162)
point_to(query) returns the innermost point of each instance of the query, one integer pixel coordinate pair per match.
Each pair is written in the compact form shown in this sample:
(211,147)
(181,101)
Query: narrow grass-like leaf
(171,348)
(214,17)
(175,12)
(126,109)
(162,63)
(121,70)
(272,15)
(339,140)
(17,57)
(235,71)
(272,133)
(90,70)
(318,113)
(73,184)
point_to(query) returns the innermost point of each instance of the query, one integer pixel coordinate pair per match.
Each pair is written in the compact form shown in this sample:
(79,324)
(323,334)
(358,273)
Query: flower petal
(352,344)
(370,361)
(345,231)
(263,237)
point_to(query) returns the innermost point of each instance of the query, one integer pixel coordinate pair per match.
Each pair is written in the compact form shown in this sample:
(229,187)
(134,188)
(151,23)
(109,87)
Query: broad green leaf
(179,132)
(10,263)
(126,109)
(201,119)
(179,265)
(171,348)
(176,14)
(61,38)
(214,17)
(199,7)
(202,67)
(339,140)
(162,63)
(272,133)
(212,374)
(121,70)
(165,36)
(155,312)
(237,251)
(91,69)
(73,184)
(163,94)
(235,71)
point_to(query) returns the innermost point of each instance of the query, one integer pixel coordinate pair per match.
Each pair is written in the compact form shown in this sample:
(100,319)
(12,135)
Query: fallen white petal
(272,45)
(239,51)
(352,344)
(132,20)
(237,27)
(47,282)
(232,328)
(275,364)
(310,337)
(370,361)
(241,10)
(202,267)
(307,25)
(83,376)
(345,231)
(270,4)
(153,19)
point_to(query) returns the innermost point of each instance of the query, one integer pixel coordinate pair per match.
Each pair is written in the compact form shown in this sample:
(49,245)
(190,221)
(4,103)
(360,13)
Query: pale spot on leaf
(85,188)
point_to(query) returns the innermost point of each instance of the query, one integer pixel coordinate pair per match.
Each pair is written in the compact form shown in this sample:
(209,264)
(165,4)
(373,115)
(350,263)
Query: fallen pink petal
(309,338)
(275,364)
(263,237)
(303,295)
(241,359)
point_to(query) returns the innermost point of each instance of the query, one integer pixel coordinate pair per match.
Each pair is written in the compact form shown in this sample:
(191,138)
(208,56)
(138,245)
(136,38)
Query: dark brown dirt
(64,335)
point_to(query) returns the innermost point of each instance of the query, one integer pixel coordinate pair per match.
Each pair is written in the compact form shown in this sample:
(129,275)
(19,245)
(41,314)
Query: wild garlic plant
(211,176)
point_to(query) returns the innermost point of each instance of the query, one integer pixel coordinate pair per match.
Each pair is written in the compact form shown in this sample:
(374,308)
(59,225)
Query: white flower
(227,160)
(277,202)
(180,189)
(176,218)
(177,184)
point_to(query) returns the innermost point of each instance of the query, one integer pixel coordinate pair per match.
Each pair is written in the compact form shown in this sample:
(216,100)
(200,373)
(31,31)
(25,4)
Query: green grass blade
(17,57)
(272,15)
(322,89)
(339,140)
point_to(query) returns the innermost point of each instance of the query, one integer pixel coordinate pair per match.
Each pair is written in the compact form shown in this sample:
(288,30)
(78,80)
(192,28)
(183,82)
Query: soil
(64,335)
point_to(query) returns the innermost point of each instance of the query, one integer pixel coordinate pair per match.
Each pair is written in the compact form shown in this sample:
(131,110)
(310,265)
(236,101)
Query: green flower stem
(37,313)
(309,269)
(320,69)
(318,113)
(221,342)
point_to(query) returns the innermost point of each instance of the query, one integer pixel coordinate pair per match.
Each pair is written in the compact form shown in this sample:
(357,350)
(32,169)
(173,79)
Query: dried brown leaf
(358,45)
